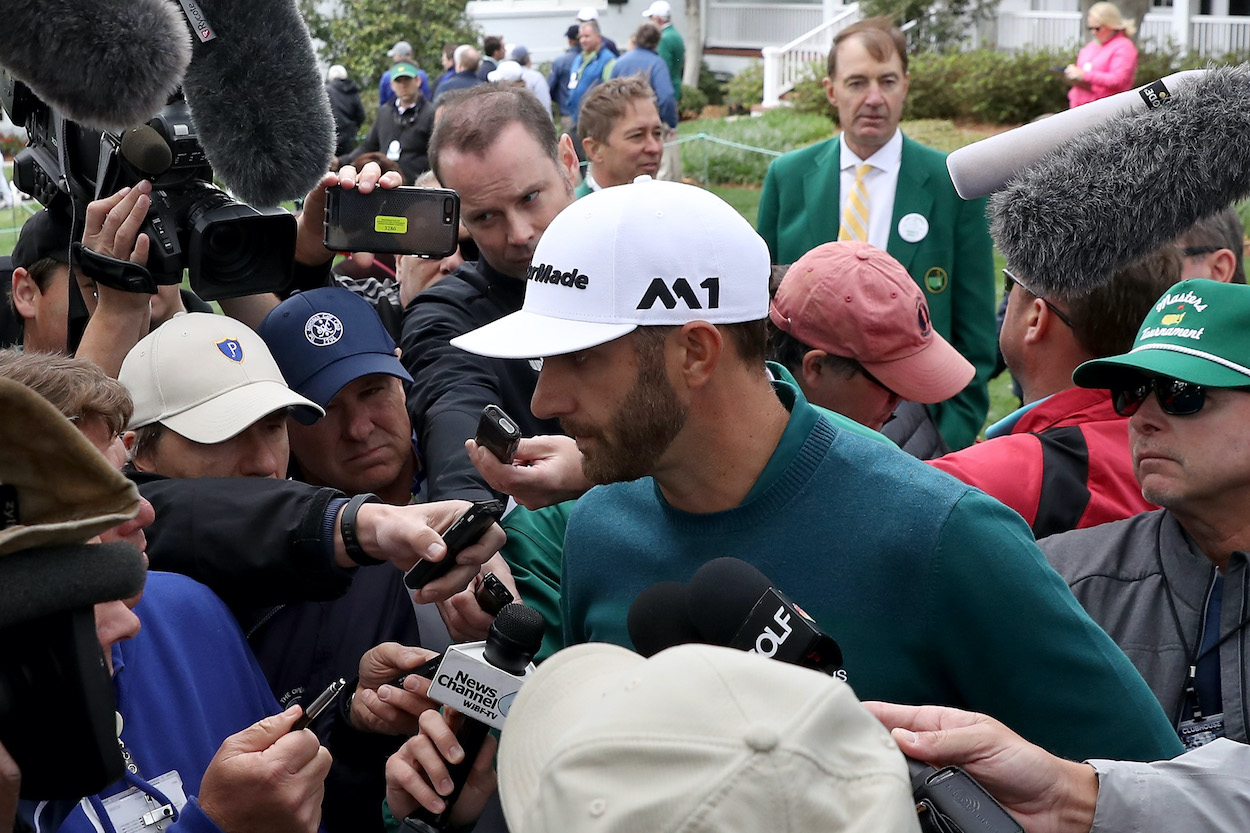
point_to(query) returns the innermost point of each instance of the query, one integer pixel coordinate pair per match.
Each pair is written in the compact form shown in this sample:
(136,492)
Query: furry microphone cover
(107,64)
(258,101)
(1125,188)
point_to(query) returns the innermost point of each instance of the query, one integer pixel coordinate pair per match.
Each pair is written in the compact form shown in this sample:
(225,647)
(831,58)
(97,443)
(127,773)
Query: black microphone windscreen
(106,64)
(658,619)
(257,99)
(39,582)
(515,636)
(721,596)
(1118,192)
(146,150)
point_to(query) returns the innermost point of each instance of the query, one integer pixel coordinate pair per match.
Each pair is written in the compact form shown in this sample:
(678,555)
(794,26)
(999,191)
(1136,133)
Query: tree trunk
(693,36)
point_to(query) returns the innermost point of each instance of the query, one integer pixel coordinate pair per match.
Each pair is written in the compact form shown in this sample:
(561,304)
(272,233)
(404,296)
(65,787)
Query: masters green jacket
(952,262)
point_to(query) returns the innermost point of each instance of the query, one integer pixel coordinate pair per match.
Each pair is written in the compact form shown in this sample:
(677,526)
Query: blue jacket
(646,62)
(558,78)
(586,74)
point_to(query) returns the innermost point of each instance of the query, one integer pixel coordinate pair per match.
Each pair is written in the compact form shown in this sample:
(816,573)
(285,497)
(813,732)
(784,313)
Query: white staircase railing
(784,66)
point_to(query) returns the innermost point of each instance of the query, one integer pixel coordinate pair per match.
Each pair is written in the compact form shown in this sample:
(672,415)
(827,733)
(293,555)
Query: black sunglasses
(1176,398)
(1010,280)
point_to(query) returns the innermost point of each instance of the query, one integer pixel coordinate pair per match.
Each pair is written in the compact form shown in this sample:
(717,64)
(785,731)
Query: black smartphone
(467,529)
(498,432)
(404,220)
(492,595)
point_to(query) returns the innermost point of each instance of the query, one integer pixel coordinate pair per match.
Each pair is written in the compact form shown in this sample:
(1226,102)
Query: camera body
(229,248)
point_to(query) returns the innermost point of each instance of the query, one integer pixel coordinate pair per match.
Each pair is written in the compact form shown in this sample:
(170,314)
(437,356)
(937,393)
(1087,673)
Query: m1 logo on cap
(231,349)
(660,291)
(323,329)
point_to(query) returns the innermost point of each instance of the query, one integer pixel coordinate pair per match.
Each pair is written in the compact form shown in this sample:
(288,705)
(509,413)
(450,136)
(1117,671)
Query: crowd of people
(1059,608)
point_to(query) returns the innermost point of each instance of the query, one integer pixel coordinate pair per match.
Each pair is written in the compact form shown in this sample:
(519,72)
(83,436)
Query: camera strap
(112,272)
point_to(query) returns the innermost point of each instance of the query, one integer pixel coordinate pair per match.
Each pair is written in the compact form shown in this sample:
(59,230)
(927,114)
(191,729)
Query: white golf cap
(696,739)
(647,253)
(659,8)
(588,13)
(507,71)
(206,377)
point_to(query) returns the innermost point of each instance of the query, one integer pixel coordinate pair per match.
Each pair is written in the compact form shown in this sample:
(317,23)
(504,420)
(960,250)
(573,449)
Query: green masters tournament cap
(1198,332)
(403,70)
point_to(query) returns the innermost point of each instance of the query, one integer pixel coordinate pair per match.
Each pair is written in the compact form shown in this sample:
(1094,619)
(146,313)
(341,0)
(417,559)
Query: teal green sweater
(935,591)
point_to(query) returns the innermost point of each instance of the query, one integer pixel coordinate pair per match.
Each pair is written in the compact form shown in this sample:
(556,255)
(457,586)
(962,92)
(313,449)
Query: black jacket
(450,387)
(411,129)
(348,112)
(261,545)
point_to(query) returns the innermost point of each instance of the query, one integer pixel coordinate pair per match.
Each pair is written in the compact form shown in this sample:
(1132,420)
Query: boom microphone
(106,64)
(1126,187)
(40,582)
(981,168)
(257,100)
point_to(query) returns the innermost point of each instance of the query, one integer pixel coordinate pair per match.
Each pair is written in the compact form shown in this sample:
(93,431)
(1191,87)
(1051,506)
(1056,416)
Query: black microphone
(40,582)
(1117,192)
(659,619)
(106,64)
(480,680)
(734,604)
(257,99)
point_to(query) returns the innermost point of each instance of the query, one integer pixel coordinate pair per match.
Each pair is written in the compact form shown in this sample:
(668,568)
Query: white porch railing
(1208,35)
(786,65)
(756,25)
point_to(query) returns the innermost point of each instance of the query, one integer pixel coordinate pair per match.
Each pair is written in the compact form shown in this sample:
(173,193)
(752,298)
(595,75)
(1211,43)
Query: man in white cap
(672,48)
(209,401)
(654,361)
(588,13)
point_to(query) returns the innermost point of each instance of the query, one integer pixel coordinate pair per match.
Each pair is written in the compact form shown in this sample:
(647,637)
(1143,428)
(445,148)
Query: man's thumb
(263,733)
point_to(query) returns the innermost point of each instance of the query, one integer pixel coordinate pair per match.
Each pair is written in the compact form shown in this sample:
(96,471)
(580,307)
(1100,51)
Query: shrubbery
(981,85)
(693,100)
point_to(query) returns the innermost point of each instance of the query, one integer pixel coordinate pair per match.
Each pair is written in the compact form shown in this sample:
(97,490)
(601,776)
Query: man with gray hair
(466,63)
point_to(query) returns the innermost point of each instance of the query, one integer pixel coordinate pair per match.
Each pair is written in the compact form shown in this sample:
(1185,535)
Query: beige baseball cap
(696,739)
(207,377)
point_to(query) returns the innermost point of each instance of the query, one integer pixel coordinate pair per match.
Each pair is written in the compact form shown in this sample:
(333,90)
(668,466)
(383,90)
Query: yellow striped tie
(855,217)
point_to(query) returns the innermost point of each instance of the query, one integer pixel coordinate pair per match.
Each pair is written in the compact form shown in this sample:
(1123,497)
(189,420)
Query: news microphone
(658,619)
(981,168)
(480,680)
(1124,188)
(257,99)
(40,582)
(106,64)
(734,604)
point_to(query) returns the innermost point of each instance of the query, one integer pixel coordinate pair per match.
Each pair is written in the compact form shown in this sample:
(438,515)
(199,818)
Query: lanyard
(164,807)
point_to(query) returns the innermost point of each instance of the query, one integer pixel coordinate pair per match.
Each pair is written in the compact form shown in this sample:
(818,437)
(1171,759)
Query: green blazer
(953,263)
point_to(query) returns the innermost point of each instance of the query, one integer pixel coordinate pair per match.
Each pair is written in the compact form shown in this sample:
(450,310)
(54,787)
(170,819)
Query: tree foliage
(940,27)
(360,32)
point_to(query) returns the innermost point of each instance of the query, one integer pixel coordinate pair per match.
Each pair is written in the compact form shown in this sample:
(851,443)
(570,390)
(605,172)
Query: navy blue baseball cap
(324,339)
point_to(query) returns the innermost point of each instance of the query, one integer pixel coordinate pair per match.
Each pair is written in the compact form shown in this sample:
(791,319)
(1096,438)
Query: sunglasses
(1176,398)
(1010,280)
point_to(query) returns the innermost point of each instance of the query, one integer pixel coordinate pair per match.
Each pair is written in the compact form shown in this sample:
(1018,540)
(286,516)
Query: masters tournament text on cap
(325,338)
(853,300)
(206,377)
(1198,332)
(696,739)
(647,253)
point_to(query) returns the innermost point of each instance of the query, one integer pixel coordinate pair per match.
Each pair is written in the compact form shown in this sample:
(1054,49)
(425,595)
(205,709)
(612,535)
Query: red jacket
(1065,465)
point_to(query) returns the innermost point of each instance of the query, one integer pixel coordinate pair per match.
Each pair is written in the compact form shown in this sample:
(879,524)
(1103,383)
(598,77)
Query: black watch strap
(347,528)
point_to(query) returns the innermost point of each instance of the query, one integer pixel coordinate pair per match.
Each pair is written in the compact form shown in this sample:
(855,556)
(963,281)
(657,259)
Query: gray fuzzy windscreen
(106,64)
(1125,188)
(258,101)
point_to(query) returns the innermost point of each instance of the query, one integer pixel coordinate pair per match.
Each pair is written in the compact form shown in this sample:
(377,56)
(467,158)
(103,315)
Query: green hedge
(992,87)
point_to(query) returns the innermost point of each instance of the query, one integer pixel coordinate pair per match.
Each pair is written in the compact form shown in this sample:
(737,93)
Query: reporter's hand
(113,223)
(381,707)
(309,248)
(267,779)
(422,762)
(405,535)
(1046,794)
(463,615)
(546,470)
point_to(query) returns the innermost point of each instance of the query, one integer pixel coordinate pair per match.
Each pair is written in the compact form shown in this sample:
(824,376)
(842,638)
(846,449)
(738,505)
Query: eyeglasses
(1011,280)
(877,381)
(1094,28)
(1198,251)
(1176,398)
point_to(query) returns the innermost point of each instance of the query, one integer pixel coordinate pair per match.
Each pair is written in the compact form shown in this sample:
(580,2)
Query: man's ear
(568,158)
(1222,263)
(813,367)
(591,146)
(26,293)
(702,345)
